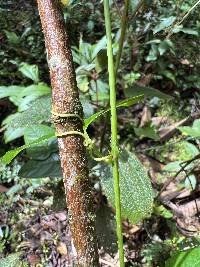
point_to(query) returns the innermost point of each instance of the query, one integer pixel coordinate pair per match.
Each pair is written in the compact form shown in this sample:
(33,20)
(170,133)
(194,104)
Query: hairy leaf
(135,185)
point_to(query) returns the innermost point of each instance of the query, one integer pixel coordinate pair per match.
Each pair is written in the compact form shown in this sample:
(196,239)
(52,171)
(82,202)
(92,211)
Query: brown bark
(65,99)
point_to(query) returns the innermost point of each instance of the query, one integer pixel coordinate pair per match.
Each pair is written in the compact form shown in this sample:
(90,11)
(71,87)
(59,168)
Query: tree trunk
(65,100)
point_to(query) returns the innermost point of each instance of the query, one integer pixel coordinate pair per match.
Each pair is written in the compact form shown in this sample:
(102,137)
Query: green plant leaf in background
(101,61)
(193,131)
(88,108)
(12,260)
(12,37)
(100,45)
(190,151)
(38,112)
(135,185)
(169,74)
(164,23)
(124,103)
(49,167)
(162,211)
(188,258)
(147,91)
(190,182)
(22,96)
(180,28)
(130,78)
(43,150)
(99,91)
(147,131)
(30,71)
(11,154)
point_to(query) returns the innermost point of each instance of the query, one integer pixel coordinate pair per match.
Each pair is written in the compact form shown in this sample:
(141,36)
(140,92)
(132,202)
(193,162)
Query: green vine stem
(114,143)
(122,34)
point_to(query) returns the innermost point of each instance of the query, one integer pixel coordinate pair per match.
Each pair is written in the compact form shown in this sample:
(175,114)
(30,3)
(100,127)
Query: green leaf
(88,108)
(14,189)
(184,30)
(30,71)
(169,74)
(154,41)
(124,103)
(190,150)
(135,185)
(99,91)
(22,96)
(190,182)
(101,44)
(101,61)
(165,22)
(84,69)
(164,46)
(193,131)
(42,150)
(147,131)
(131,77)
(49,167)
(188,258)
(174,166)
(12,37)
(13,260)
(12,134)
(11,154)
(22,91)
(14,90)
(151,56)
(147,91)
(34,132)
(38,112)
(162,211)
(83,83)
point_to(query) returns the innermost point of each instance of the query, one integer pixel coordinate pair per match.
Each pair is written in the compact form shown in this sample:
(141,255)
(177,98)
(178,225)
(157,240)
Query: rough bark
(65,99)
